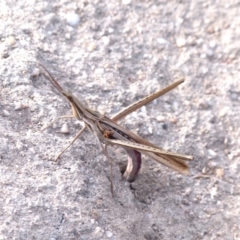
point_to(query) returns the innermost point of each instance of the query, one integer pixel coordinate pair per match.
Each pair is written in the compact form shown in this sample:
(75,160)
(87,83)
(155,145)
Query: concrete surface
(110,54)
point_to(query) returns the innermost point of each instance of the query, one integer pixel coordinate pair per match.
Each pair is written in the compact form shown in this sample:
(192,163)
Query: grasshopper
(109,132)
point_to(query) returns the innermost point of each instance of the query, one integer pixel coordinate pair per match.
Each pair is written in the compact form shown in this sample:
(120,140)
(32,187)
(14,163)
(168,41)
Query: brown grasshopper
(108,132)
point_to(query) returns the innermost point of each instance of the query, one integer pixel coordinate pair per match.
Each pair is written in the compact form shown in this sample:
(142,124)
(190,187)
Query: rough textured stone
(112,54)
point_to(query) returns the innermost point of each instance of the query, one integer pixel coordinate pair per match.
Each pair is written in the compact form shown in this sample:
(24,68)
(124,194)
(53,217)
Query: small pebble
(106,40)
(179,20)
(203,104)
(64,129)
(110,30)
(212,164)
(72,19)
(160,118)
(18,106)
(91,47)
(6,113)
(219,172)
(162,41)
(173,120)
(144,109)
(187,191)
(212,153)
(109,234)
(213,192)
(156,169)
(5,54)
(10,40)
(212,44)
(191,41)
(209,52)
(139,29)
(150,130)
(223,112)
(230,156)
(67,36)
(98,231)
(126,2)
(181,42)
